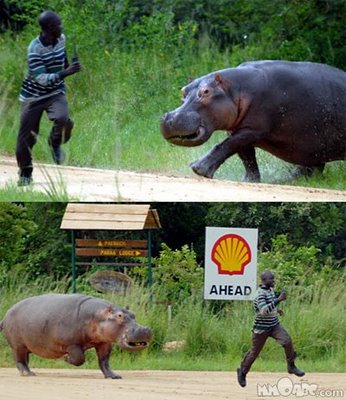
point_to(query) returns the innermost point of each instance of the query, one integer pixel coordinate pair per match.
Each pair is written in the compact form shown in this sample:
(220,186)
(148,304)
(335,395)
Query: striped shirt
(44,63)
(265,308)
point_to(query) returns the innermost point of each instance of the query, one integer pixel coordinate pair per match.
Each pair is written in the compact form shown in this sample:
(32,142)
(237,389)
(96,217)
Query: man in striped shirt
(43,89)
(267,325)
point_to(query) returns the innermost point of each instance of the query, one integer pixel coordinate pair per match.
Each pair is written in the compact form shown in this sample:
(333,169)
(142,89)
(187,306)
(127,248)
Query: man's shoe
(58,155)
(24,181)
(241,377)
(292,369)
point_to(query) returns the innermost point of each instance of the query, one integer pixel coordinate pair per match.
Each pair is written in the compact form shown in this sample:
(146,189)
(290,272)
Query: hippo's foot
(30,373)
(201,168)
(112,375)
(24,369)
(306,172)
(252,177)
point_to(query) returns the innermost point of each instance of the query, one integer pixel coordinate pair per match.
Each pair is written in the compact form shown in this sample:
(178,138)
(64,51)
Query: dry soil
(90,184)
(79,384)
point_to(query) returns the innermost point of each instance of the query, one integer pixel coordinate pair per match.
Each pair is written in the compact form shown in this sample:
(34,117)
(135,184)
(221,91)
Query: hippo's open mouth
(137,344)
(196,138)
(130,344)
(133,346)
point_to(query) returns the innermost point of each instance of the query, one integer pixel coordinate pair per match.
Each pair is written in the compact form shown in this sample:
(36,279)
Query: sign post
(73,261)
(230,263)
(110,217)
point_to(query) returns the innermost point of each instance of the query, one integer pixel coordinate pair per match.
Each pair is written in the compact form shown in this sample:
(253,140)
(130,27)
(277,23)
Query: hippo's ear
(221,81)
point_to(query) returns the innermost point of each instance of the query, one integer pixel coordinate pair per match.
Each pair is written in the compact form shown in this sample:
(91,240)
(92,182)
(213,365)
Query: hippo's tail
(1,325)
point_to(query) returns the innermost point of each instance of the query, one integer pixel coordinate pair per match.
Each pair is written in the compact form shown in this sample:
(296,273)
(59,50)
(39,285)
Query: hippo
(65,325)
(293,110)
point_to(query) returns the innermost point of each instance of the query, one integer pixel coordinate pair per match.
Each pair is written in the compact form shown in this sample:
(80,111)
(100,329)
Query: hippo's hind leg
(75,355)
(300,170)
(248,157)
(103,351)
(21,355)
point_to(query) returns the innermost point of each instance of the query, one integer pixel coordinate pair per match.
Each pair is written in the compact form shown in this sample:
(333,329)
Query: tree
(48,248)
(308,224)
(15,228)
(182,223)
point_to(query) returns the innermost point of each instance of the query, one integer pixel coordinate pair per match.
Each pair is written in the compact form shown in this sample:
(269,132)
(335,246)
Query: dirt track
(79,384)
(88,184)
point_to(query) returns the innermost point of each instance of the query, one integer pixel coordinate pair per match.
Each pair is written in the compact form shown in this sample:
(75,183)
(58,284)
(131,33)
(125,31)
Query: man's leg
(282,337)
(29,127)
(58,112)
(258,341)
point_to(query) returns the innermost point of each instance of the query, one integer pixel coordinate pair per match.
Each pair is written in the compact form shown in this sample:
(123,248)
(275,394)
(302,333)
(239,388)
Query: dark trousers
(258,341)
(31,113)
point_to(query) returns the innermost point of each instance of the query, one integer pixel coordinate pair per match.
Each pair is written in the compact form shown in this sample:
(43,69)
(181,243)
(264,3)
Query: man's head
(51,25)
(268,279)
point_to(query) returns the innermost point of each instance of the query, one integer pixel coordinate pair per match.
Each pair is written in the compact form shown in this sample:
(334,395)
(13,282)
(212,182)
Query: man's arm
(267,308)
(70,70)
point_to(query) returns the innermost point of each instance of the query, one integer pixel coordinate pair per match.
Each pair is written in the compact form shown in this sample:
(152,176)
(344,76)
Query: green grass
(117,102)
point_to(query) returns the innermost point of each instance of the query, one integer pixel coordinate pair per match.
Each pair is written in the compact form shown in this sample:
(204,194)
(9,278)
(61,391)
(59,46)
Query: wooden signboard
(110,217)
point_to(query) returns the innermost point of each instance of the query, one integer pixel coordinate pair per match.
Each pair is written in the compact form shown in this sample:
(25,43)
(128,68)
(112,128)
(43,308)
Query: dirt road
(79,384)
(89,184)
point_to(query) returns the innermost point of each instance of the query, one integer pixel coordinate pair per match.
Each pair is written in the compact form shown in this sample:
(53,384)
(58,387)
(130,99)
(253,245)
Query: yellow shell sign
(231,253)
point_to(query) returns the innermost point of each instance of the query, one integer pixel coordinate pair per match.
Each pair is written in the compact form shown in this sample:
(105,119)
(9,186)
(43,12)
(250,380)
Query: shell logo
(231,253)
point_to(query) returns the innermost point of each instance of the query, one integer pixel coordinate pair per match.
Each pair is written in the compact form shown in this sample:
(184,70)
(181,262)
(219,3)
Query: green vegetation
(304,244)
(33,243)
(137,55)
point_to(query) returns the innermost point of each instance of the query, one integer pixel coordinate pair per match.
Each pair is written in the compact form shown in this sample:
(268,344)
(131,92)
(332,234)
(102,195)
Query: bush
(292,264)
(177,273)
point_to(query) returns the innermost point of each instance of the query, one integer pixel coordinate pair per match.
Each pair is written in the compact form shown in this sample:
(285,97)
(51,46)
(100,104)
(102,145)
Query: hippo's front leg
(103,351)
(241,142)
(75,355)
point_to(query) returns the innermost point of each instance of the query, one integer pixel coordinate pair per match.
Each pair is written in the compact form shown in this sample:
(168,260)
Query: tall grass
(214,340)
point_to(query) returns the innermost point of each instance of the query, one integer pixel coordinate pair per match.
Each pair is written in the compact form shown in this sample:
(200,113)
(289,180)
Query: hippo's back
(38,307)
(302,105)
(53,315)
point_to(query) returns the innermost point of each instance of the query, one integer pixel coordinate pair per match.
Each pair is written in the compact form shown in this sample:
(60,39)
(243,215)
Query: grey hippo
(65,325)
(293,110)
